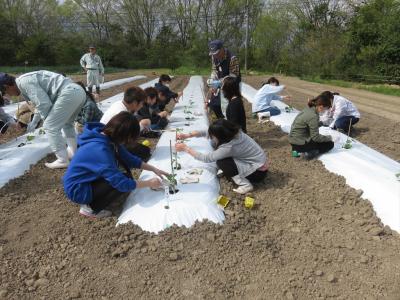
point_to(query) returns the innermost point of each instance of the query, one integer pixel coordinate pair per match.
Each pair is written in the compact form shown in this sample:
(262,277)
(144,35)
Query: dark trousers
(139,150)
(307,147)
(344,122)
(103,194)
(228,166)
(216,108)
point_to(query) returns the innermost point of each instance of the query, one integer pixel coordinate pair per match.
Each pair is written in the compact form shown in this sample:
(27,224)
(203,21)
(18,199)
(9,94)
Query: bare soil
(379,125)
(308,237)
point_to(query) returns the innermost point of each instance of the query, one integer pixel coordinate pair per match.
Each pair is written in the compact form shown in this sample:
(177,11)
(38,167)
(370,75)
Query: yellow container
(249,202)
(146,143)
(223,201)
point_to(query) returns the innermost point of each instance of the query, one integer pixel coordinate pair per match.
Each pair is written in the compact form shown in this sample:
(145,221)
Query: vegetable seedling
(41,131)
(30,138)
(348,144)
(289,109)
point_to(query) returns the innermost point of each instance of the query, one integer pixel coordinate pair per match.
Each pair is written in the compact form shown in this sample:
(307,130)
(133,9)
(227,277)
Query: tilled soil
(308,237)
(379,126)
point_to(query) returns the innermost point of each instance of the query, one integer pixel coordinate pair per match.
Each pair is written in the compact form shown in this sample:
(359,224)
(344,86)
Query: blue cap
(4,79)
(215,46)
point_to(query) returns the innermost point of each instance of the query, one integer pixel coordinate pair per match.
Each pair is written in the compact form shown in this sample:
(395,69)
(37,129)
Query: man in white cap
(93,66)
(224,63)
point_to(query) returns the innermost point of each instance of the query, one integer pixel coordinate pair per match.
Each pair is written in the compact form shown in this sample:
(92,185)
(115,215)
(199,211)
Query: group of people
(100,160)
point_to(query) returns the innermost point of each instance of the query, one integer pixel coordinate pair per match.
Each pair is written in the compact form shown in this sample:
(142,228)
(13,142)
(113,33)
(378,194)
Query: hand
(154,183)
(181,147)
(182,136)
(160,173)
(31,127)
(163,114)
(287,98)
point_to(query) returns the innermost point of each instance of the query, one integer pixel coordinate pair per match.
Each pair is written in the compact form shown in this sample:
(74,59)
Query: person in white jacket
(92,64)
(262,105)
(57,100)
(342,112)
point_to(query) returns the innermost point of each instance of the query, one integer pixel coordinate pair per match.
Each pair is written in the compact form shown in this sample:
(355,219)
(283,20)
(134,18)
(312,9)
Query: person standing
(224,63)
(57,100)
(91,63)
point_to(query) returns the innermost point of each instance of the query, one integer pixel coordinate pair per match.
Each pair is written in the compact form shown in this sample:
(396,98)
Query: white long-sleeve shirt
(264,96)
(342,107)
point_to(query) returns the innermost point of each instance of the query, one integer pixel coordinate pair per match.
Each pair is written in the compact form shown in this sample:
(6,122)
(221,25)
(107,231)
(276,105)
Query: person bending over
(236,154)
(94,178)
(235,110)
(304,134)
(163,85)
(342,113)
(150,110)
(262,100)
(57,100)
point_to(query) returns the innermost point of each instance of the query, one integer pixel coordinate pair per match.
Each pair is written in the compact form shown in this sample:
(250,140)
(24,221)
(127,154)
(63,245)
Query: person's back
(113,110)
(235,113)
(50,82)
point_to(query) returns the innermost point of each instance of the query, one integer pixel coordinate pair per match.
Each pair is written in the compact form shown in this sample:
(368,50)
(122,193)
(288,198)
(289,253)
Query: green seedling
(41,131)
(289,108)
(30,138)
(348,144)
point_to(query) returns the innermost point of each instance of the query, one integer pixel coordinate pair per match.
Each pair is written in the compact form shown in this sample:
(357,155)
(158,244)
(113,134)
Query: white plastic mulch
(154,211)
(363,167)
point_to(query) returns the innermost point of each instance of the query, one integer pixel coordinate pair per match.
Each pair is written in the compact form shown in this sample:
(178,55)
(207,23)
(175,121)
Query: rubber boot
(244,185)
(72,146)
(262,115)
(61,162)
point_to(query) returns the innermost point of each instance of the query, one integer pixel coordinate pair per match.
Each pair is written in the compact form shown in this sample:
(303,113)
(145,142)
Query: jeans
(311,145)
(344,122)
(103,194)
(228,166)
(273,110)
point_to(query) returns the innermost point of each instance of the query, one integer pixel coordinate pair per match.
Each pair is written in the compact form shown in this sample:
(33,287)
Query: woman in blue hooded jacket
(94,178)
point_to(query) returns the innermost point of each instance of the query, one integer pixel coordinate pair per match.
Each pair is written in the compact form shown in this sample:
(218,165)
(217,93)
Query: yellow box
(249,202)
(223,201)
(146,143)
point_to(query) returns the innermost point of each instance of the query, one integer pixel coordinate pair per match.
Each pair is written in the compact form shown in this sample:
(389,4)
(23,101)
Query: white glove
(32,125)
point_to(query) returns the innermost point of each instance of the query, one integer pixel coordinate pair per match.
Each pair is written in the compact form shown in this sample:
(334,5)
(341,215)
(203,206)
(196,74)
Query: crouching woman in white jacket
(342,113)
(236,154)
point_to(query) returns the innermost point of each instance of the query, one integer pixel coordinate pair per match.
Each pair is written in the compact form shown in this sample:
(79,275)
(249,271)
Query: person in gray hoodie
(236,154)
(57,100)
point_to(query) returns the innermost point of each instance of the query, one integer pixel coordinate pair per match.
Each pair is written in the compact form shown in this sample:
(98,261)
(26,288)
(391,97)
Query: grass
(377,88)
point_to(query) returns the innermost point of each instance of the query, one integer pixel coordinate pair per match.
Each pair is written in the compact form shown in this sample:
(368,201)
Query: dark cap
(92,47)
(5,79)
(162,88)
(215,46)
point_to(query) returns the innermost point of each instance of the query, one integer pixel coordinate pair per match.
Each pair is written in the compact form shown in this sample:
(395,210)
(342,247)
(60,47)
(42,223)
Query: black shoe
(311,154)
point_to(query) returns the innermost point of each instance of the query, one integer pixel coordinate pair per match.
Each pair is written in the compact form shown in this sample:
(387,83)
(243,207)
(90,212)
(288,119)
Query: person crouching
(94,178)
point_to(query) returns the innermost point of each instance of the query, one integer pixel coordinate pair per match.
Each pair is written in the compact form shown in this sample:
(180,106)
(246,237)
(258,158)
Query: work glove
(33,124)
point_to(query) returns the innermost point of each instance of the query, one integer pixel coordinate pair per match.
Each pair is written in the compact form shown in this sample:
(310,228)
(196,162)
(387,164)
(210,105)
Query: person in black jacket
(163,86)
(150,110)
(235,110)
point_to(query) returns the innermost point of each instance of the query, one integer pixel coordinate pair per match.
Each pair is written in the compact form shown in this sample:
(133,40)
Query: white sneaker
(57,164)
(86,211)
(243,189)
(262,115)
(61,162)
(244,185)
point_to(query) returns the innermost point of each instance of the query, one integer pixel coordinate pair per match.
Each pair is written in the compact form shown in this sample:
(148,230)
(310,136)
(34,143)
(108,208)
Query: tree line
(300,37)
